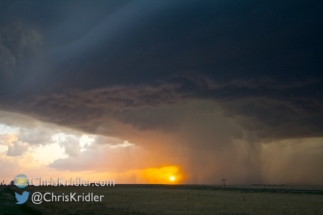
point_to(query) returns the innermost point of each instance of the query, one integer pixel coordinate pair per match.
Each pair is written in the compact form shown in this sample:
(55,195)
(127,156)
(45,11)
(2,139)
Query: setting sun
(163,175)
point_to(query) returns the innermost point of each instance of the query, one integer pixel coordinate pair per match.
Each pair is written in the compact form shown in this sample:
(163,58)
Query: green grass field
(162,199)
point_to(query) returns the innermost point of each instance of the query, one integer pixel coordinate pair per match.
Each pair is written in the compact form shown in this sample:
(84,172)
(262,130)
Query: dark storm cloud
(268,113)
(19,45)
(223,41)
(106,61)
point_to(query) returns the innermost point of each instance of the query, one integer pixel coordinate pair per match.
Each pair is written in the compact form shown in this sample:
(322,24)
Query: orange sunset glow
(163,175)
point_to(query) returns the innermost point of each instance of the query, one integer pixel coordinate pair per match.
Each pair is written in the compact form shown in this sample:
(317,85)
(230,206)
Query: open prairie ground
(172,200)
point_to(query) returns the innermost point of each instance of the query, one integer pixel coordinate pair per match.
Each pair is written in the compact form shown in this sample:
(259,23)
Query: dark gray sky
(210,73)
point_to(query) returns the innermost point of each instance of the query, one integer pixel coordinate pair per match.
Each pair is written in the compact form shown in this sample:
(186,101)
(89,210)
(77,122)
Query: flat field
(172,200)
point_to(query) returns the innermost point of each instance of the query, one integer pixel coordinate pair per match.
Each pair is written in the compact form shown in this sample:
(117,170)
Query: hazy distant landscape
(176,199)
